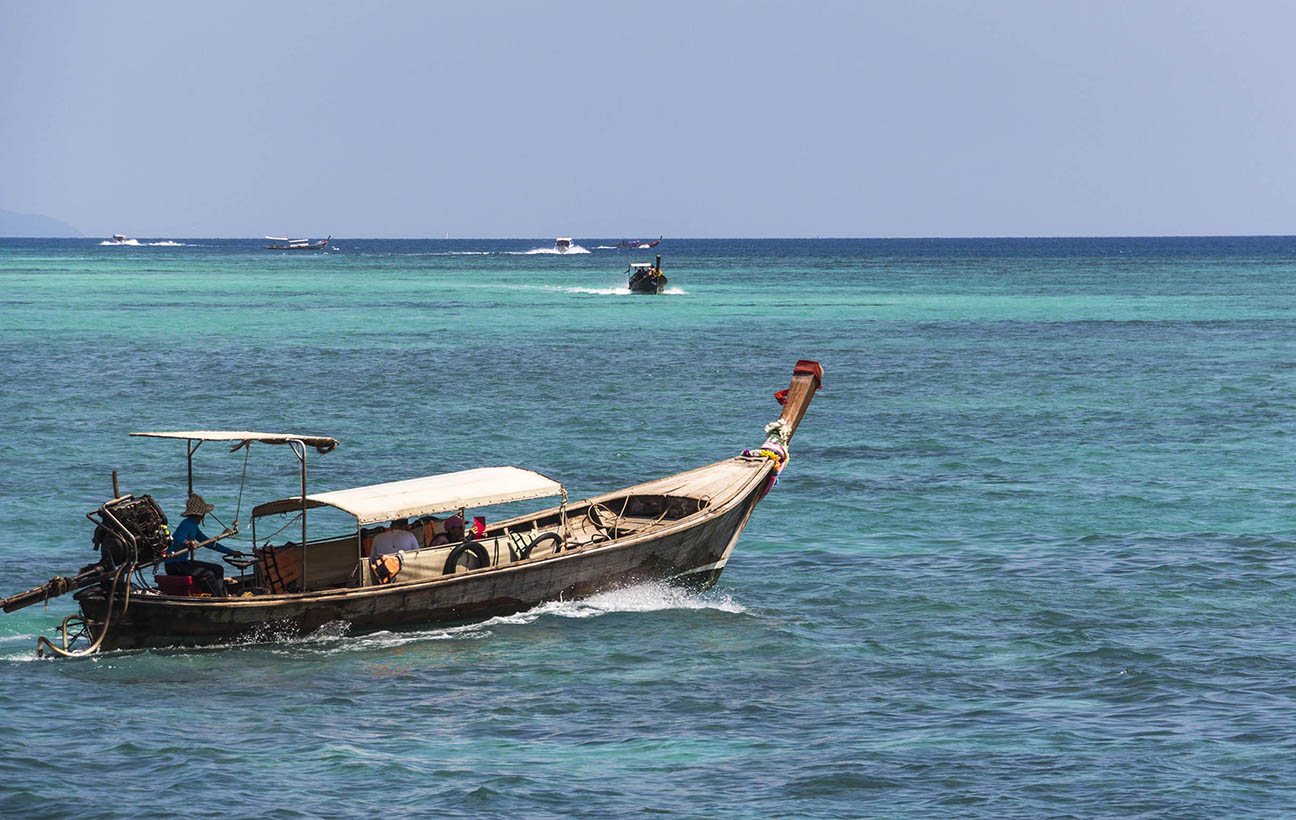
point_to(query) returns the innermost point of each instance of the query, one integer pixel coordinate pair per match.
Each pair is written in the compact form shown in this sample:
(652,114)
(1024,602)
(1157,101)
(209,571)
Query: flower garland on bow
(775,449)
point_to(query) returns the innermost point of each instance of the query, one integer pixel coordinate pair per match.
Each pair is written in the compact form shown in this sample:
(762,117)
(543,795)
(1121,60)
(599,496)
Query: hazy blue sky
(598,119)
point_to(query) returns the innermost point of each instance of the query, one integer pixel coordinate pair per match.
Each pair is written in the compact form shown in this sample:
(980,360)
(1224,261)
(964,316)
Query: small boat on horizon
(638,243)
(680,529)
(563,244)
(646,277)
(120,239)
(283,243)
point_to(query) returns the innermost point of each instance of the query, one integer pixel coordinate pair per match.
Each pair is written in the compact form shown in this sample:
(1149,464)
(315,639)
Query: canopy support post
(192,448)
(562,515)
(301,457)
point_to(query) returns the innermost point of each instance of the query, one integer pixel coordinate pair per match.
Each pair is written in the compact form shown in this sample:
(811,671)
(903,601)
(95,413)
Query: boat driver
(207,575)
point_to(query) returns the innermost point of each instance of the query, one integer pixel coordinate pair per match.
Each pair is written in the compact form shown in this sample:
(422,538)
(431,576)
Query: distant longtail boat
(638,243)
(283,243)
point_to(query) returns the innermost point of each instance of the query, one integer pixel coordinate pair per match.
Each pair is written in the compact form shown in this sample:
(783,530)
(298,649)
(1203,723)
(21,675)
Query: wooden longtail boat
(283,243)
(646,277)
(638,243)
(681,529)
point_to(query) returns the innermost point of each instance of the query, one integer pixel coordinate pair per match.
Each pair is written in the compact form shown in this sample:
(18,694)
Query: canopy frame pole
(562,515)
(192,448)
(301,457)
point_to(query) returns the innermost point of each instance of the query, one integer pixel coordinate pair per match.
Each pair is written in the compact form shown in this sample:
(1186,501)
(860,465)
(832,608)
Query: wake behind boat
(681,528)
(283,243)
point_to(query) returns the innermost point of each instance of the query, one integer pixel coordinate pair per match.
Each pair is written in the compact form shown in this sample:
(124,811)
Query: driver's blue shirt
(188,531)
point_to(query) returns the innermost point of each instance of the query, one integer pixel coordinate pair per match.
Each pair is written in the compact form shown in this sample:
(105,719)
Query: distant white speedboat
(120,239)
(563,244)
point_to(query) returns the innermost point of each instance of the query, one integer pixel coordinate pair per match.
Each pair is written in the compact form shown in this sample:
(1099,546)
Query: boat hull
(691,552)
(647,284)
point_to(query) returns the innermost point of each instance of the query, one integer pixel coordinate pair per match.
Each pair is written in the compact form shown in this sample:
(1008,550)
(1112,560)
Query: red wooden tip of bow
(810,368)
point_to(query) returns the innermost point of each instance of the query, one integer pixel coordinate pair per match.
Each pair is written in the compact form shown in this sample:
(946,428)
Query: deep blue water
(1032,556)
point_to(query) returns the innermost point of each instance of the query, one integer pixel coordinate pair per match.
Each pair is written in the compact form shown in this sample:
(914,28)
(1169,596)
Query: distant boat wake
(554,251)
(166,243)
(612,291)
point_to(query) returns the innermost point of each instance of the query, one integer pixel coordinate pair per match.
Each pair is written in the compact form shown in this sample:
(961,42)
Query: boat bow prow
(807,377)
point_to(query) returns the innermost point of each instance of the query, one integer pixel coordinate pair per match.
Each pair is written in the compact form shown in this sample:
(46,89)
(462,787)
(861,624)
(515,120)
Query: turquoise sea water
(1033,555)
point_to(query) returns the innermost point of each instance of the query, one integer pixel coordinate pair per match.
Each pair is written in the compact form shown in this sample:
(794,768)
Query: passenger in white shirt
(396,539)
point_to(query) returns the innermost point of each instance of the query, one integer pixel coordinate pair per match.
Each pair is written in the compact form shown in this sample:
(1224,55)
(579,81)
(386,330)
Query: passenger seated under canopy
(396,539)
(454,531)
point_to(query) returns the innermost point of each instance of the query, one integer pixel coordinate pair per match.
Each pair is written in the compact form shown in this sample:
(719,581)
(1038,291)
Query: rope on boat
(238,508)
(60,586)
(247,451)
(290,522)
(610,530)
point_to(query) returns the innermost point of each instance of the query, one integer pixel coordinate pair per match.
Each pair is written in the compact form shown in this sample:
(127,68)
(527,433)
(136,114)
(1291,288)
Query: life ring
(549,536)
(478,551)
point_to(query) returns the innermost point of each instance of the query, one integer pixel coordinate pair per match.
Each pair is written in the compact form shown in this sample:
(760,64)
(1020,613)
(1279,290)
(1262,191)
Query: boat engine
(130,531)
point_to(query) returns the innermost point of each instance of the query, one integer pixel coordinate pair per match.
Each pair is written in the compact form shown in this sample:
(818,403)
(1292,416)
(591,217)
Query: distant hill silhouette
(15,224)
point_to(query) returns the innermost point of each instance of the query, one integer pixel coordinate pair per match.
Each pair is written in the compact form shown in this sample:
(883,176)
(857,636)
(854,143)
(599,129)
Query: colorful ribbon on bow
(775,449)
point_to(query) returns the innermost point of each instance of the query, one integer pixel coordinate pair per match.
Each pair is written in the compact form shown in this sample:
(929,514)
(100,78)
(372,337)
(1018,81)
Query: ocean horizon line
(915,238)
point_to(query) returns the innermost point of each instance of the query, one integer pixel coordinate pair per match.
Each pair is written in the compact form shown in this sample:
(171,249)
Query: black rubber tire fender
(549,536)
(452,560)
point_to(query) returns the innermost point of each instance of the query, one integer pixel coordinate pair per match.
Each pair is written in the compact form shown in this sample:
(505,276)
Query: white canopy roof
(413,497)
(321,443)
